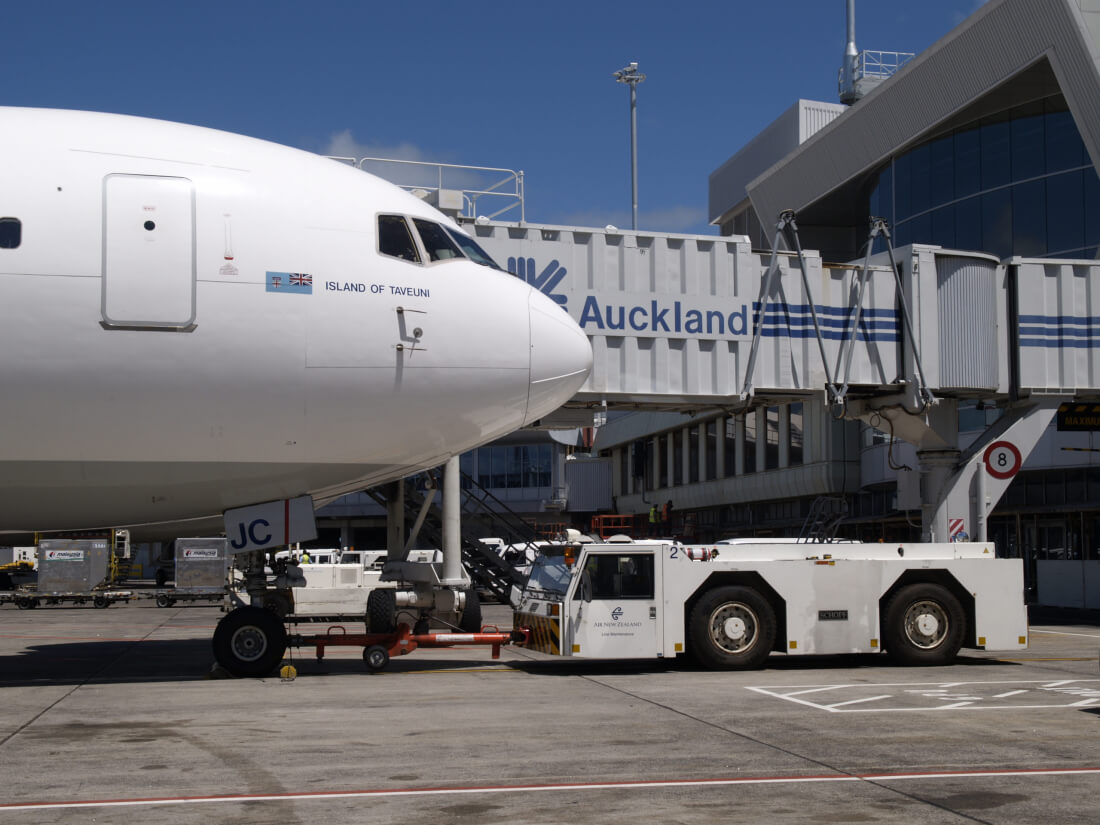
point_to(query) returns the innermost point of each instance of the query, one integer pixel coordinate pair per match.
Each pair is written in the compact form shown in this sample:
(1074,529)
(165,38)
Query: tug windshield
(550,574)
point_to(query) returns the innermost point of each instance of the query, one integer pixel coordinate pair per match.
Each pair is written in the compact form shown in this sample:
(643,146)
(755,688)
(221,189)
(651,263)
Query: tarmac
(110,715)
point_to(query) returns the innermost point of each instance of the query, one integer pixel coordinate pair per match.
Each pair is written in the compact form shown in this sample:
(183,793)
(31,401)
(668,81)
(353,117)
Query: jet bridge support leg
(961,487)
(982,472)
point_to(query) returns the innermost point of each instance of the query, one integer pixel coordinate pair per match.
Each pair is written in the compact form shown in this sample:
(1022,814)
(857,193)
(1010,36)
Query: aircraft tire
(249,641)
(924,625)
(732,628)
(382,611)
(471,614)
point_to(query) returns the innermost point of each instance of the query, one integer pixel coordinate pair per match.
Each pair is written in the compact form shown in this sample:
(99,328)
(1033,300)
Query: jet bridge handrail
(475,182)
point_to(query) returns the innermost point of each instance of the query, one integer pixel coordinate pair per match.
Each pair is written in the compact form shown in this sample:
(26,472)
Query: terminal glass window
(626,576)
(439,244)
(662,450)
(797,434)
(771,453)
(693,455)
(395,239)
(730,446)
(518,467)
(711,443)
(750,441)
(1017,182)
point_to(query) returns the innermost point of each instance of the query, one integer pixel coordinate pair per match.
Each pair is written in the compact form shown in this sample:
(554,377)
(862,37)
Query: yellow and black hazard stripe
(545,632)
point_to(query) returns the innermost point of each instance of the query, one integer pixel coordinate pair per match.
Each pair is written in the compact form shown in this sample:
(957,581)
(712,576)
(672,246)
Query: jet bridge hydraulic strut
(836,391)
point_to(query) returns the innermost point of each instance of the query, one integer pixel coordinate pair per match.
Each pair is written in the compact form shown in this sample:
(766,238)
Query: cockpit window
(395,239)
(474,252)
(436,240)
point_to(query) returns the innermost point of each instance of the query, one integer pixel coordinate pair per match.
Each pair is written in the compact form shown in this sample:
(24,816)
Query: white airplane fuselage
(194,321)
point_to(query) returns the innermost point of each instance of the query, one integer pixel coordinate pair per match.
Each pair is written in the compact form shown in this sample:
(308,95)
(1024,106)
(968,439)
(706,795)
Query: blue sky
(520,85)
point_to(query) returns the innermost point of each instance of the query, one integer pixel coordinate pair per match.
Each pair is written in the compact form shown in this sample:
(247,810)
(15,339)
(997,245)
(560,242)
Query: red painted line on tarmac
(640,784)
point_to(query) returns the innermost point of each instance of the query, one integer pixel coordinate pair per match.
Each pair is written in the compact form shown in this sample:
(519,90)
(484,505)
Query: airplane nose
(561,357)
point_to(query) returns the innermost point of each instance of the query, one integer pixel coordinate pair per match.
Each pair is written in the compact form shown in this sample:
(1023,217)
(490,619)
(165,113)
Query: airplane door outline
(148,253)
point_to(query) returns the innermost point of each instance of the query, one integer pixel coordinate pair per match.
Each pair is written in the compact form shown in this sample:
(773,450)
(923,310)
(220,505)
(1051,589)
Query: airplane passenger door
(148,252)
(615,607)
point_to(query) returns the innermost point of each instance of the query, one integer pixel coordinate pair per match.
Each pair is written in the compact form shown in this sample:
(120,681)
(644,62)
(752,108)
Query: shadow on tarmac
(122,660)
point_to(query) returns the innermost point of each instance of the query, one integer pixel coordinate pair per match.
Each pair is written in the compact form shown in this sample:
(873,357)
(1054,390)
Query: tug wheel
(376,658)
(732,628)
(249,641)
(924,625)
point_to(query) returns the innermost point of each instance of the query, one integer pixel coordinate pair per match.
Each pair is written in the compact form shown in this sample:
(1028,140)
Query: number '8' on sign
(1002,459)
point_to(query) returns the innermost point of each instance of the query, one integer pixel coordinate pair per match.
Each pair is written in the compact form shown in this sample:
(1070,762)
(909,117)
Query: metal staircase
(825,516)
(483,515)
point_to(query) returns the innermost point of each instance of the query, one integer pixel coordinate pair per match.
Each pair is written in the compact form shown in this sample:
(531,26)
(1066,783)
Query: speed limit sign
(1002,459)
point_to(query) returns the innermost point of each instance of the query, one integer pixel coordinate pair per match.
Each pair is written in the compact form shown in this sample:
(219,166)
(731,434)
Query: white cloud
(344,145)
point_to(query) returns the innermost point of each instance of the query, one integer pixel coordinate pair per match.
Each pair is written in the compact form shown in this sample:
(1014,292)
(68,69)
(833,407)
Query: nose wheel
(250,641)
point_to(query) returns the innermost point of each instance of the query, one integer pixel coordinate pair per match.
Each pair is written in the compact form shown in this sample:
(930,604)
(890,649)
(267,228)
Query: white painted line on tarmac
(641,785)
(940,696)
(858,701)
(1063,633)
(815,690)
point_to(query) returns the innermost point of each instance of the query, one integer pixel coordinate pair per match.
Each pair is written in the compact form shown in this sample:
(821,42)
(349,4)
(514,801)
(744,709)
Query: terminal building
(987,142)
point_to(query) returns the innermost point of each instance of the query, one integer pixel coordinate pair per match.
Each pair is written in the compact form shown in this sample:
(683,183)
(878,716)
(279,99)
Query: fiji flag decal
(296,283)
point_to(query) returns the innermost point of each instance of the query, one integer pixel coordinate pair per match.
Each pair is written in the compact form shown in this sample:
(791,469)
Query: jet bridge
(685,322)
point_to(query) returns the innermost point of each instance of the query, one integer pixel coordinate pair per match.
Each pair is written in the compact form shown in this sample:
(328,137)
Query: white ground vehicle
(732,606)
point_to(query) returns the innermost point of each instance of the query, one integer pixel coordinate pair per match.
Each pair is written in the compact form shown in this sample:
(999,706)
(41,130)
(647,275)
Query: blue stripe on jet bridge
(822,309)
(784,332)
(828,323)
(1047,344)
(1044,332)
(796,321)
(1084,320)
(1059,331)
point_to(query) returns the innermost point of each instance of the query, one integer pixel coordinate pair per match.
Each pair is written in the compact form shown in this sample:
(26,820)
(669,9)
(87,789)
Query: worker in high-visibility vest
(304,557)
(653,520)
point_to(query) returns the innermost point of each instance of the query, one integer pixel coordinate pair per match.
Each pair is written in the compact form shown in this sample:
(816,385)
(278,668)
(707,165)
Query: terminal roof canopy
(1007,53)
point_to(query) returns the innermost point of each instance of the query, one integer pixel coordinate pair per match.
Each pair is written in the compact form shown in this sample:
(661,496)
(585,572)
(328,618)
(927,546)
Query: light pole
(631,76)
